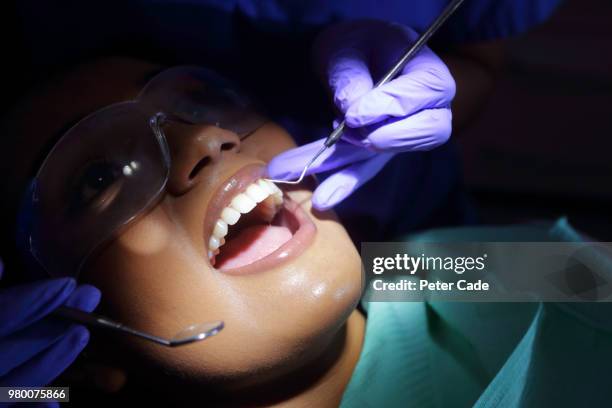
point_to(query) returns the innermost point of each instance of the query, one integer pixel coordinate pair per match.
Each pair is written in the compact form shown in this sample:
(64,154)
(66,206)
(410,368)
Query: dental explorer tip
(303,173)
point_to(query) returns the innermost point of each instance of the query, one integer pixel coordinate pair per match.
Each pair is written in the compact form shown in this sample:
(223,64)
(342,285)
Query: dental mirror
(188,335)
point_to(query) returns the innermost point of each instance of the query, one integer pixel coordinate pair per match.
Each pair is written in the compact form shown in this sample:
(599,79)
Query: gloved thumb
(85,297)
(348,77)
(22,305)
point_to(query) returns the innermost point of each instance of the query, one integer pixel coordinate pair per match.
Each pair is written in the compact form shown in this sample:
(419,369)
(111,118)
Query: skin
(292,335)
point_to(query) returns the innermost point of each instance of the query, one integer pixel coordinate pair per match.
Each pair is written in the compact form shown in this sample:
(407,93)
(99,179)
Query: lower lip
(299,242)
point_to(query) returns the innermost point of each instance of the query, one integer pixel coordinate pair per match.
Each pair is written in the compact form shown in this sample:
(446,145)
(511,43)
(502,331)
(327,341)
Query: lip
(237,183)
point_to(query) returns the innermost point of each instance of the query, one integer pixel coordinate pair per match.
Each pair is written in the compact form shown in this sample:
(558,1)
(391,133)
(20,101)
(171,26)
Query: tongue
(252,244)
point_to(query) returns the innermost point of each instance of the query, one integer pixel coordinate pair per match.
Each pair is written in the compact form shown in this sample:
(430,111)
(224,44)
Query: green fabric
(485,354)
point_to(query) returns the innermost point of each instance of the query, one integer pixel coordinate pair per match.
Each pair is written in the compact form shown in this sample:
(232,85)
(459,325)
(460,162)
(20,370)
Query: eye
(94,181)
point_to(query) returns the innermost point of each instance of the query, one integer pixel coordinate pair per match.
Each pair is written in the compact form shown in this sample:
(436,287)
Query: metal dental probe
(188,335)
(407,56)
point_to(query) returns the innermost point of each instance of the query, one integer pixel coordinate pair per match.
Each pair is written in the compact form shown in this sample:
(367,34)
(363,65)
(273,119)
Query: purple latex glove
(35,349)
(410,113)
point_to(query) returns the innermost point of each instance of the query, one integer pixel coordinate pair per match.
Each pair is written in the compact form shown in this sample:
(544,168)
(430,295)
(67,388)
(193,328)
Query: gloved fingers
(348,77)
(425,81)
(290,164)
(85,297)
(351,54)
(341,56)
(51,362)
(21,346)
(340,185)
(431,87)
(422,131)
(21,305)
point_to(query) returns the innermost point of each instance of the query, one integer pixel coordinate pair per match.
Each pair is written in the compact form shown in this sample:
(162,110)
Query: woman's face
(280,312)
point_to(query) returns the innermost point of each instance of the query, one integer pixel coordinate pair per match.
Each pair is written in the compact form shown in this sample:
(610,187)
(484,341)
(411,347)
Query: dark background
(542,146)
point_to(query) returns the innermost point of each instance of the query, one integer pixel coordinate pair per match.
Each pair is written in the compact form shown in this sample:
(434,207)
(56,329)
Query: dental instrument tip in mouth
(303,174)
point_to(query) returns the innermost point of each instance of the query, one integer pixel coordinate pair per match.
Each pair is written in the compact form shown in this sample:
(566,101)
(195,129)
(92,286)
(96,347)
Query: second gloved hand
(410,113)
(36,349)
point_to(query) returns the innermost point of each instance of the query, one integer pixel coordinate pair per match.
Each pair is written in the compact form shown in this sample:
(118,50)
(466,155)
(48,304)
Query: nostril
(228,146)
(199,166)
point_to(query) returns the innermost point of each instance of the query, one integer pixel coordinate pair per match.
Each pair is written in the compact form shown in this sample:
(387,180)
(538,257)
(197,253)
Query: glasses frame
(28,242)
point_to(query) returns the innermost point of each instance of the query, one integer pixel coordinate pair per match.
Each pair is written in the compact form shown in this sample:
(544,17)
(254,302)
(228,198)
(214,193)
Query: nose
(193,148)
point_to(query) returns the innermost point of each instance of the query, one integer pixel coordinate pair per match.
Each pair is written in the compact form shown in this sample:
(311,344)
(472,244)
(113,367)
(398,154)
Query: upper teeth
(242,203)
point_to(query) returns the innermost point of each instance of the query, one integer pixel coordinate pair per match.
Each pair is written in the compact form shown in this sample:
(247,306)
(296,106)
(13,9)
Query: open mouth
(254,225)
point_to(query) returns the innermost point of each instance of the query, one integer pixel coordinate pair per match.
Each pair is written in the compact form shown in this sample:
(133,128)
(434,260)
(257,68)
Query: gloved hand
(409,113)
(35,350)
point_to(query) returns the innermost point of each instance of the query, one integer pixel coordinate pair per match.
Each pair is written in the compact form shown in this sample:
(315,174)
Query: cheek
(147,237)
(143,273)
(152,279)
(267,142)
(331,273)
